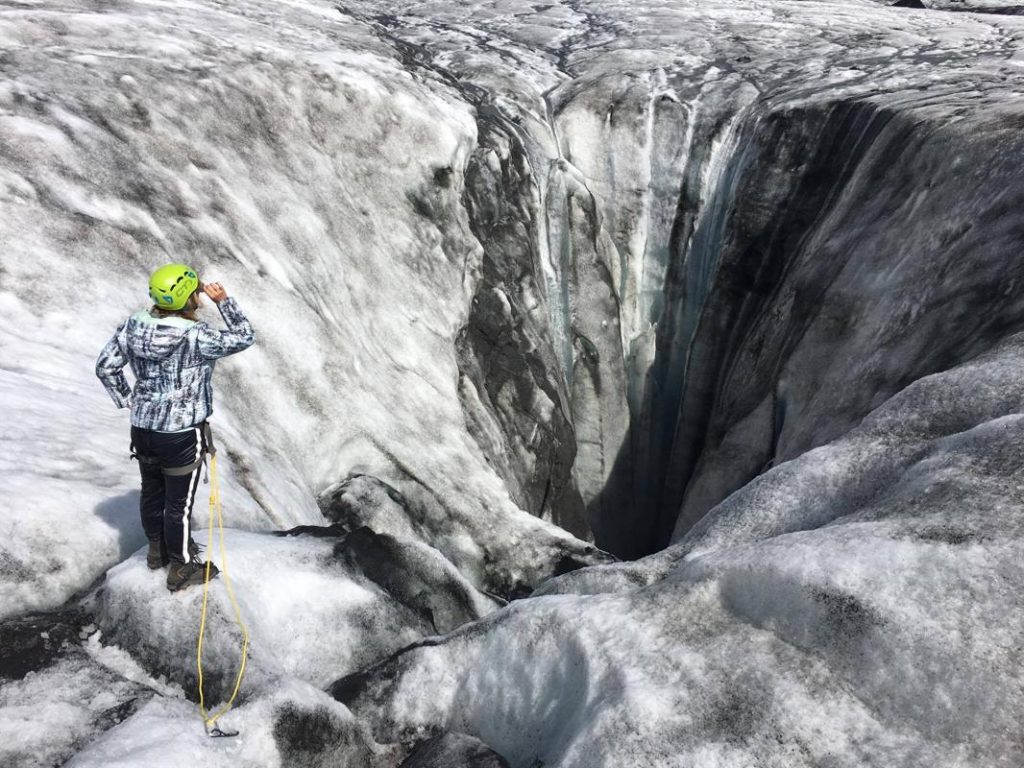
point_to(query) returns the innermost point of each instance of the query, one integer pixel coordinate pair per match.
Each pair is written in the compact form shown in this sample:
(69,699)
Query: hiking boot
(184,575)
(156,557)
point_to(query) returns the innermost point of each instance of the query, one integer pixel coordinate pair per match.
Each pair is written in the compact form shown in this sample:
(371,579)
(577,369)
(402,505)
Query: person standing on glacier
(172,355)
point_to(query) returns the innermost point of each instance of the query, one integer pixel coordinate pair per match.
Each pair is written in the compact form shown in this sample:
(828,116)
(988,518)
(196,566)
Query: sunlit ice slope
(277,149)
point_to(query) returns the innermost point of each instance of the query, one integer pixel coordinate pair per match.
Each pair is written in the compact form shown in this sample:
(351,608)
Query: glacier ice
(858,605)
(530,280)
(357,282)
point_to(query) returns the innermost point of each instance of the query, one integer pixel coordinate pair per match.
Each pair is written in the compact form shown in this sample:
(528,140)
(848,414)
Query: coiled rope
(216,513)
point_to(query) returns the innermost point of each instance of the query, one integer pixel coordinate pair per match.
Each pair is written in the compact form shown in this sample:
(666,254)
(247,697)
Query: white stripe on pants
(186,518)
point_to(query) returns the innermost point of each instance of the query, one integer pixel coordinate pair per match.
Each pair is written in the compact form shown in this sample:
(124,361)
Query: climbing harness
(206,449)
(216,513)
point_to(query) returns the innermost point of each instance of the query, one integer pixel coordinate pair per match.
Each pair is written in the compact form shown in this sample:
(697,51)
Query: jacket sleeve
(109,367)
(214,343)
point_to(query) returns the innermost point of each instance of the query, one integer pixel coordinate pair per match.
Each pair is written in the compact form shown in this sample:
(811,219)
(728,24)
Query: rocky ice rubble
(733,287)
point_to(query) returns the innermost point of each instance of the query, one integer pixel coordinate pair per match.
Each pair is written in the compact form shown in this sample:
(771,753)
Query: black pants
(166,500)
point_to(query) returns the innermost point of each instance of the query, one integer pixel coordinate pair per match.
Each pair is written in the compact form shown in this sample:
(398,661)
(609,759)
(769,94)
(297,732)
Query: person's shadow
(122,514)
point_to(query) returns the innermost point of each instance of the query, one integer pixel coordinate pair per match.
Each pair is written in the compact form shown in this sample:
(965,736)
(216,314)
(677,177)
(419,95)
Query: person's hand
(215,291)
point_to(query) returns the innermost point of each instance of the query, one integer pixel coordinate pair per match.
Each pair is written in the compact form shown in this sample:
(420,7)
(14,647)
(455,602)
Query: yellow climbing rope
(217,514)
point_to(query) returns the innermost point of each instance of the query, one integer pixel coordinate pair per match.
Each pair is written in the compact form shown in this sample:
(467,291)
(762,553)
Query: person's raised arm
(109,368)
(214,343)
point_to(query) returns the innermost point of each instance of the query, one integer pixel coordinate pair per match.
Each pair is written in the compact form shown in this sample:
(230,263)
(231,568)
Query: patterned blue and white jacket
(172,359)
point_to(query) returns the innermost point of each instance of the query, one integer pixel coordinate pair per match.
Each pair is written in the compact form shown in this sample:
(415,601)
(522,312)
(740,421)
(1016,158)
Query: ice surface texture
(282,150)
(859,605)
(743,277)
(715,236)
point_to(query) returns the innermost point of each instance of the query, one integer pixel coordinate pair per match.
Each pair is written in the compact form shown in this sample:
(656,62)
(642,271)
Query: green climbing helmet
(172,284)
